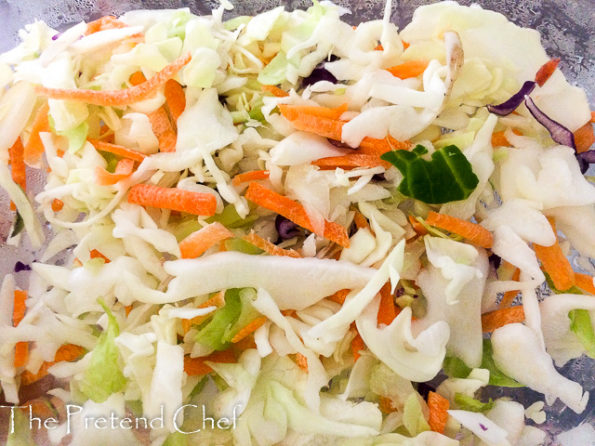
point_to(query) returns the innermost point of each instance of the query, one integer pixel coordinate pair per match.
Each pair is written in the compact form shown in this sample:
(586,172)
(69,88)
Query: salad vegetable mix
(327,234)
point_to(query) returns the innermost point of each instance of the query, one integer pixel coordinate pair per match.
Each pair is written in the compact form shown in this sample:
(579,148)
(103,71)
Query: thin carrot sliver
(293,112)
(326,127)
(127,309)
(173,198)
(163,130)
(21,350)
(275,91)
(200,241)
(584,138)
(103,23)
(351,161)
(417,226)
(57,205)
(34,147)
(360,221)
(137,78)
(438,412)
(268,247)
(406,70)
(67,352)
(126,96)
(503,316)
(406,45)
(253,175)
(499,138)
(509,296)
(198,366)
(340,296)
(546,70)
(592,116)
(379,47)
(555,263)
(584,282)
(373,146)
(95,254)
(357,345)
(294,211)
(175,98)
(249,329)
(124,169)
(387,310)
(476,234)
(302,362)
(118,150)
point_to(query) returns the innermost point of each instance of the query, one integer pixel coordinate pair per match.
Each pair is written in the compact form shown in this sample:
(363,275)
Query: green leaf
(581,326)
(455,367)
(176,439)
(233,24)
(104,376)
(448,176)
(413,416)
(18,225)
(241,245)
(231,219)
(274,72)
(497,378)
(76,137)
(465,402)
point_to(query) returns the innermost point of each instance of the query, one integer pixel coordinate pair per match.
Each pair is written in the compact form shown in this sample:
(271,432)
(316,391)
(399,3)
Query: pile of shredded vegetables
(334,234)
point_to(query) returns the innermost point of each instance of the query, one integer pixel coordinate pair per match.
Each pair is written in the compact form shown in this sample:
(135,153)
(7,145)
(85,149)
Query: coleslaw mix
(296,224)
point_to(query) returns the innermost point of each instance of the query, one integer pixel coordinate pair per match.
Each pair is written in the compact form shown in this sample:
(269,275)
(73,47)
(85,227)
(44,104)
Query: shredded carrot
(103,23)
(351,161)
(17,167)
(200,241)
(40,407)
(163,130)
(67,352)
(118,150)
(546,70)
(555,263)
(339,296)
(584,138)
(172,198)
(198,366)
(249,329)
(360,221)
(268,247)
(95,254)
(592,117)
(584,282)
(509,296)
(406,70)
(57,205)
(503,316)
(294,112)
(373,146)
(357,345)
(326,127)
(386,405)
(302,362)
(126,96)
(218,300)
(128,309)
(137,78)
(294,211)
(253,175)
(417,226)
(387,310)
(275,91)
(438,406)
(476,234)
(175,98)
(34,147)
(499,139)
(21,350)
(379,47)
(124,169)
(406,45)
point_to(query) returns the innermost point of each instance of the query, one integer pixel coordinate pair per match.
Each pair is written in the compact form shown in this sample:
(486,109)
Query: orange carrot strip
(294,211)
(103,23)
(555,263)
(387,311)
(417,226)
(249,329)
(128,309)
(172,198)
(509,296)
(21,354)
(584,138)
(268,247)
(357,345)
(126,96)
(275,91)
(200,241)
(592,116)
(94,254)
(499,139)
(476,234)
(302,362)
(584,282)
(406,45)
(503,316)
(218,300)
(163,130)
(57,205)
(339,296)
(175,98)
(34,147)
(124,169)
(253,175)
(118,150)
(351,161)
(360,221)
(21,350)
(373,146)
(137,78)
(379,47)
(546,70)
(386,405)
(67,352)
(438,406)
(406,70)
(198,366)
(293,112)
(326,127)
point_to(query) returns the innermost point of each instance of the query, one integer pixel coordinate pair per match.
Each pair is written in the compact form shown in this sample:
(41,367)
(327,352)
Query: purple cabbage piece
(20,266)
(584,159)
(483,427)
(286,228)
(559,133)
(320,74)
(515,100)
